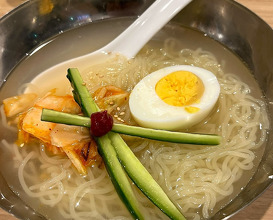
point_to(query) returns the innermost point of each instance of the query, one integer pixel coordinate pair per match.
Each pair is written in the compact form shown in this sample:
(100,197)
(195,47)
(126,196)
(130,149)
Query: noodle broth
(200,180)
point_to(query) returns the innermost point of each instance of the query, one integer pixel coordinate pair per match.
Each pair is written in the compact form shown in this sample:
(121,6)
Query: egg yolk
(181,88)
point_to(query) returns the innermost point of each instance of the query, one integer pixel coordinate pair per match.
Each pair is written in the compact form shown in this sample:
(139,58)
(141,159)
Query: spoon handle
(129,42)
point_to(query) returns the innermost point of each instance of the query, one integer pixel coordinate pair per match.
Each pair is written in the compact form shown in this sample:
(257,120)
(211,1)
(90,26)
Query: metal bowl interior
(225,21)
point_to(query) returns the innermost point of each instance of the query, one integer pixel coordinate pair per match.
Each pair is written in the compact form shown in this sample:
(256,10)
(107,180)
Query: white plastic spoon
(128,43)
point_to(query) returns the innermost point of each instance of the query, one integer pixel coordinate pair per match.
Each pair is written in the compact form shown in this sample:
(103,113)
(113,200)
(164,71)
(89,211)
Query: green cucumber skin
(149,187)
(168,136)
(64,118)
(80,93)
(114,168)
(160,135)
(115,171)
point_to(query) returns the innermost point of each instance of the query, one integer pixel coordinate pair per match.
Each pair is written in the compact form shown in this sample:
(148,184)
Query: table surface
(262,208)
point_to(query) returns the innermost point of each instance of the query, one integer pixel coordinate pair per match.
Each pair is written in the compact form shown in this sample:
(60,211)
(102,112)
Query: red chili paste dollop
(101,123)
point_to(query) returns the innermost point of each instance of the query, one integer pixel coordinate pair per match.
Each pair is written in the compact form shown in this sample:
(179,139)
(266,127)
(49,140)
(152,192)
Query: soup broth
(200,180)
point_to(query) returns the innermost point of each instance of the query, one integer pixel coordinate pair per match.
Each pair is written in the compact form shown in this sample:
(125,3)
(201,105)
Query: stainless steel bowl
(238,29)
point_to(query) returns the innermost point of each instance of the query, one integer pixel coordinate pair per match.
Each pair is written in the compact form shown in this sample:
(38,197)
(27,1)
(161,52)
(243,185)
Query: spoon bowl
(127,44)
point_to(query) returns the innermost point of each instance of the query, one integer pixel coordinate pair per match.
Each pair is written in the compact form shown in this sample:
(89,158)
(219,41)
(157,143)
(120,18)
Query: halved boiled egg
(174,97)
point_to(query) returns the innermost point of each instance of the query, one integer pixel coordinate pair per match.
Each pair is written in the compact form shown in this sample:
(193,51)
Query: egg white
(150,111)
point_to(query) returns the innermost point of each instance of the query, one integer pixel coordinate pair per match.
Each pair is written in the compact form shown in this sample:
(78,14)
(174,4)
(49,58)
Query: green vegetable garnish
(160,135)
(105,147)
(135,170)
